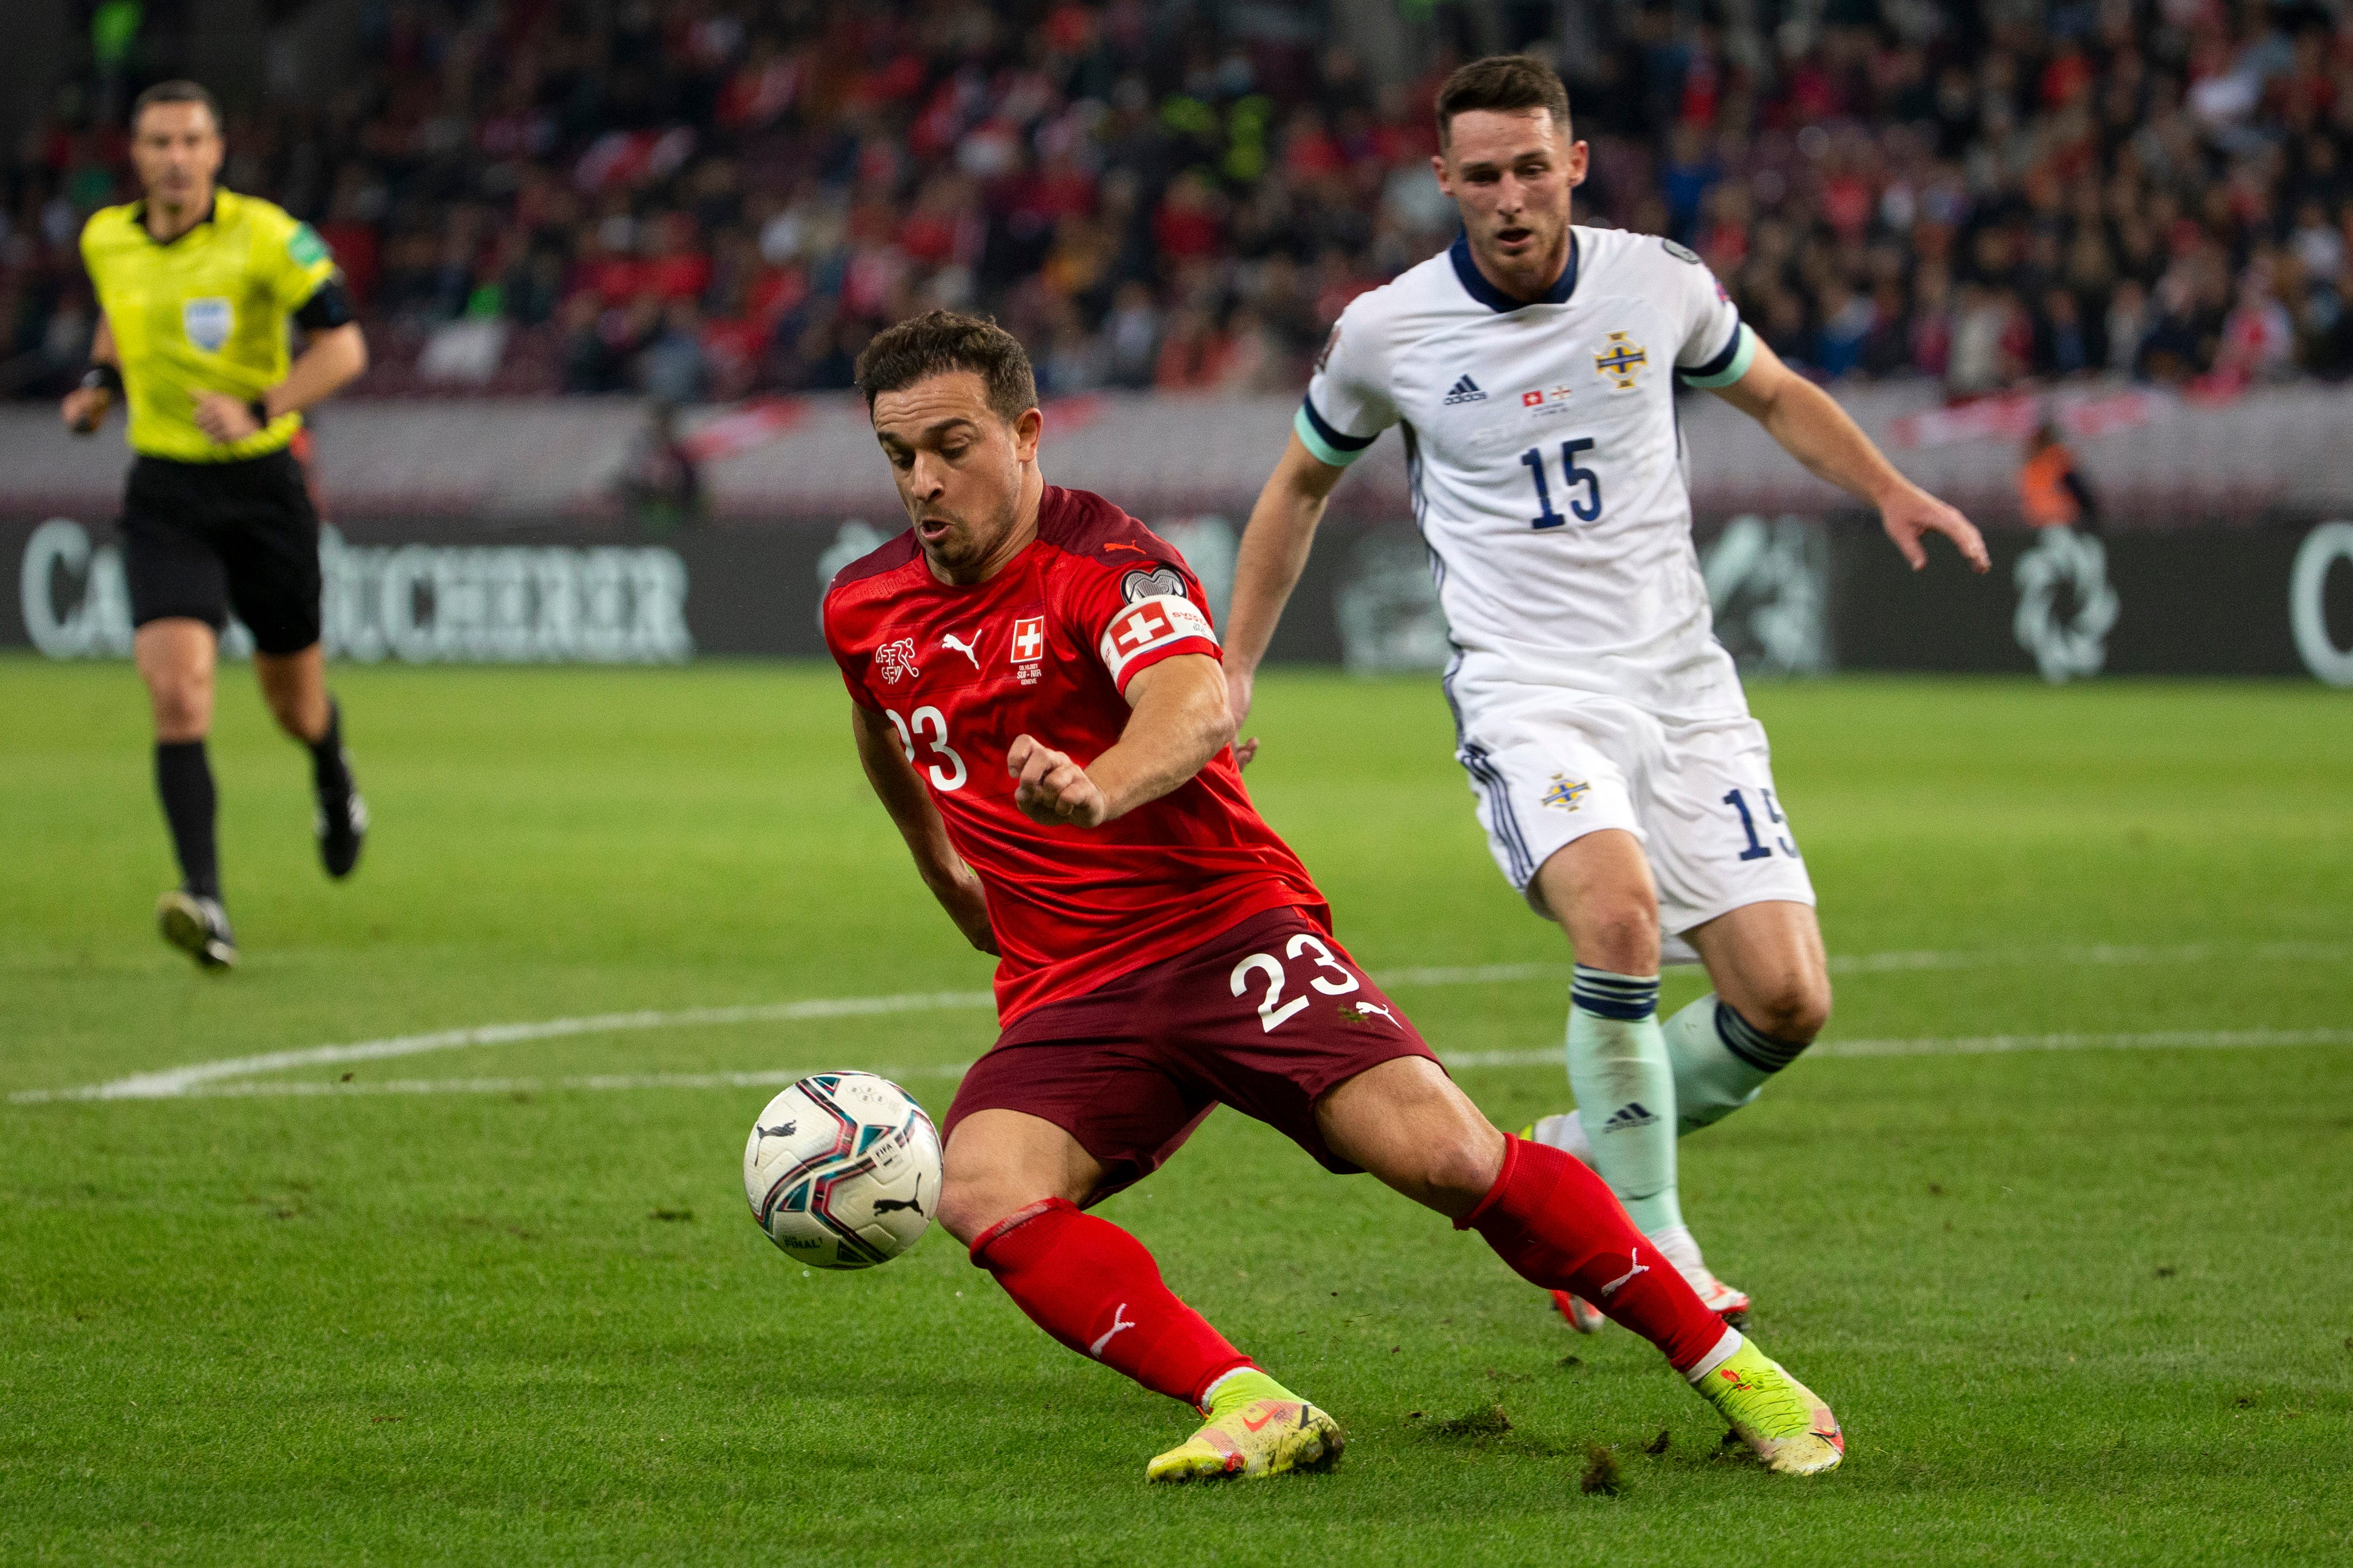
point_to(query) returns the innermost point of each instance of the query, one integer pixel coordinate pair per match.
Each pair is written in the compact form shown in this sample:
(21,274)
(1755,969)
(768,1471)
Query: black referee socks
(184,777)
(328,773)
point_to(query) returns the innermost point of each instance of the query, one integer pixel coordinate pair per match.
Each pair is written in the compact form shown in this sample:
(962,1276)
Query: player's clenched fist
(1052,787)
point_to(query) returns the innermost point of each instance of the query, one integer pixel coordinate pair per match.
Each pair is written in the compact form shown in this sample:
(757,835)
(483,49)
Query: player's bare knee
(1618,931)
(1463,1168)
(183,707)
(1795,1009)
(976,1194)
(969,1205)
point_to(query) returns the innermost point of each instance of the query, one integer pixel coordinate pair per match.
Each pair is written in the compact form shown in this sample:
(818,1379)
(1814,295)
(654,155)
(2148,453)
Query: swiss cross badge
(1029,640)
(1029,647)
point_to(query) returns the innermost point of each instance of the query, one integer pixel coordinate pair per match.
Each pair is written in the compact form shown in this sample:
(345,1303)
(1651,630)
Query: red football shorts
(1264,1017)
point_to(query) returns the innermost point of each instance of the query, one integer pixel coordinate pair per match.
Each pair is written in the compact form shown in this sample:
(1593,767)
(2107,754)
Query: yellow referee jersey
(207,312)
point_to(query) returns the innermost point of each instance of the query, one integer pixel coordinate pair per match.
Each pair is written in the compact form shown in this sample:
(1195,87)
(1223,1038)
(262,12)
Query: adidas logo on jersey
(1465,391)
(1627,1117)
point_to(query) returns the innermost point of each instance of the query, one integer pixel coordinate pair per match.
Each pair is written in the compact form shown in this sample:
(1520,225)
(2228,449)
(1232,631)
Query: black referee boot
(198,927)
(343,821)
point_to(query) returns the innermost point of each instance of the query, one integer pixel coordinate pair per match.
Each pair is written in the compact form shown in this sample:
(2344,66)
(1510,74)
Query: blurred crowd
(701,199)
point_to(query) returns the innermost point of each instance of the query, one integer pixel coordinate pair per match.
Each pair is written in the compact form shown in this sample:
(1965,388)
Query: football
(842,1169)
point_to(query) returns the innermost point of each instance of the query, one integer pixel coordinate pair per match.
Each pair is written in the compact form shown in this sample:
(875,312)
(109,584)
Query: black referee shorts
(200,538)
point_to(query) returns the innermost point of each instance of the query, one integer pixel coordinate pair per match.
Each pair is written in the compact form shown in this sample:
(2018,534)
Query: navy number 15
(1583,511)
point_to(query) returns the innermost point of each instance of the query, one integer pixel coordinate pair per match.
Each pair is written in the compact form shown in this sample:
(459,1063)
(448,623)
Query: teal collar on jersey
(1475,281)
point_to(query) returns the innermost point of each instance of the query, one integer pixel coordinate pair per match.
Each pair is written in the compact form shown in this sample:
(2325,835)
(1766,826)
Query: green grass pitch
(2075,1305)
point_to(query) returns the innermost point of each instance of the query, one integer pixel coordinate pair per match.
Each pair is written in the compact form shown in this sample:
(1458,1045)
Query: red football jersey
(1046,648)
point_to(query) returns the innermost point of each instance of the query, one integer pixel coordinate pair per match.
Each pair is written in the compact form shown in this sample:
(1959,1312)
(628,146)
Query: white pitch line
(174,1082)
(2157,1040)
(1968,1045)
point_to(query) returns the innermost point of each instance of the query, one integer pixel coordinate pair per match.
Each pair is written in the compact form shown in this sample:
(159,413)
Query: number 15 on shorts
(1774,823)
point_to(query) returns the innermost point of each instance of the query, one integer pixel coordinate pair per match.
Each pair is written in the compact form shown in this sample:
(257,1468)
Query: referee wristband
(261,407)
(104,378)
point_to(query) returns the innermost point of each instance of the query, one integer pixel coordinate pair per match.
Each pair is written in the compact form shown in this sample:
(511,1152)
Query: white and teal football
(842,1169)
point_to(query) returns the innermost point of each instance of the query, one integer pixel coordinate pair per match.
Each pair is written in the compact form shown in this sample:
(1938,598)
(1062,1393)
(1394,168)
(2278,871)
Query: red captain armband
(1146,627)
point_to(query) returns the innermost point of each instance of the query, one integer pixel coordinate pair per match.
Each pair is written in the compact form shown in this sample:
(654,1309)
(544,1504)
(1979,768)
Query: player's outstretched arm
(1815,430)
(1273,552)
(1180,722)
(944,871)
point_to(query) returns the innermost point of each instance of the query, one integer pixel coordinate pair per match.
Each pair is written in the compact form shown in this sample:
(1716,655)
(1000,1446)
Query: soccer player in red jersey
(1038,702)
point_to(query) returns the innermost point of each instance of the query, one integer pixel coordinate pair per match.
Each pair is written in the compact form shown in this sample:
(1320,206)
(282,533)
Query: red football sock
(1095,1288)
(1558,1225)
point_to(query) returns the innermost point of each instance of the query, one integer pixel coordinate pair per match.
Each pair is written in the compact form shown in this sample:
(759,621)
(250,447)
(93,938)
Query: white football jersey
(1547,462)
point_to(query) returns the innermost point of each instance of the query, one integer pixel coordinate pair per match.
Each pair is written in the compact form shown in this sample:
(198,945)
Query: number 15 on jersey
(1585,508)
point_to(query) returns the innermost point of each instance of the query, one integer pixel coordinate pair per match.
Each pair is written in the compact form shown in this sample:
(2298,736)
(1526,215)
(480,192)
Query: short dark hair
(177,92)
(938,342)
(1508,84)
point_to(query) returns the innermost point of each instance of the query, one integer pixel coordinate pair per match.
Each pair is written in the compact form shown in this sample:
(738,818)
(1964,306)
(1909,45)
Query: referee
(196,287)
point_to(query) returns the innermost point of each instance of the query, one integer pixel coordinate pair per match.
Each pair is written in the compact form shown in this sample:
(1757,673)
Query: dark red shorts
(1263,1017)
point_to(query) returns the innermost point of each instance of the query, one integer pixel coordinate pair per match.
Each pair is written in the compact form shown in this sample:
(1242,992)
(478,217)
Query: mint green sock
(1721,1061)
(1625,1088)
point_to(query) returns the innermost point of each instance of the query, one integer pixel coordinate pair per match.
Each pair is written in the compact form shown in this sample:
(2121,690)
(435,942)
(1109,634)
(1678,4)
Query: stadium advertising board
(1793,596)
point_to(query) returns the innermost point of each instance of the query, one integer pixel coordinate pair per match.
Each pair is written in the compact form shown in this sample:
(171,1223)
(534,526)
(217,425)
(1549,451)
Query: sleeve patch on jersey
(1150,624)
(1331,447)
(1156,582)
(306,248)
(1728,366)
(1680,252)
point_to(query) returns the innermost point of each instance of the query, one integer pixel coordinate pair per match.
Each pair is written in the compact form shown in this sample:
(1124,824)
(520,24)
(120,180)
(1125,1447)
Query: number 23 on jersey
(929,719)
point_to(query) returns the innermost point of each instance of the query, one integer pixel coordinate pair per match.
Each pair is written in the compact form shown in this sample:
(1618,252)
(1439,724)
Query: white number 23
(1274,1010)
(937,723)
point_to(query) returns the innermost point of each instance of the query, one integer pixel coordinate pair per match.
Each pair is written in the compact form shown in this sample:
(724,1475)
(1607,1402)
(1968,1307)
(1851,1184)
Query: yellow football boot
(1780,1419)
(1256,1427)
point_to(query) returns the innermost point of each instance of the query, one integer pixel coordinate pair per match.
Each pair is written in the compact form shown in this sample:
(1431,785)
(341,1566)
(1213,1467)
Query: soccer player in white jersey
(1625,789)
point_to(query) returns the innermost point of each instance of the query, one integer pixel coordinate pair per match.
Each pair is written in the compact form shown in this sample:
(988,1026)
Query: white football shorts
(1548,766)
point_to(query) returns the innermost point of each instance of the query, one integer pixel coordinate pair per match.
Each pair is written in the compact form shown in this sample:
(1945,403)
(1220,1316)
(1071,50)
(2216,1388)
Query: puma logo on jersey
(1117,1323)
(949,639)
